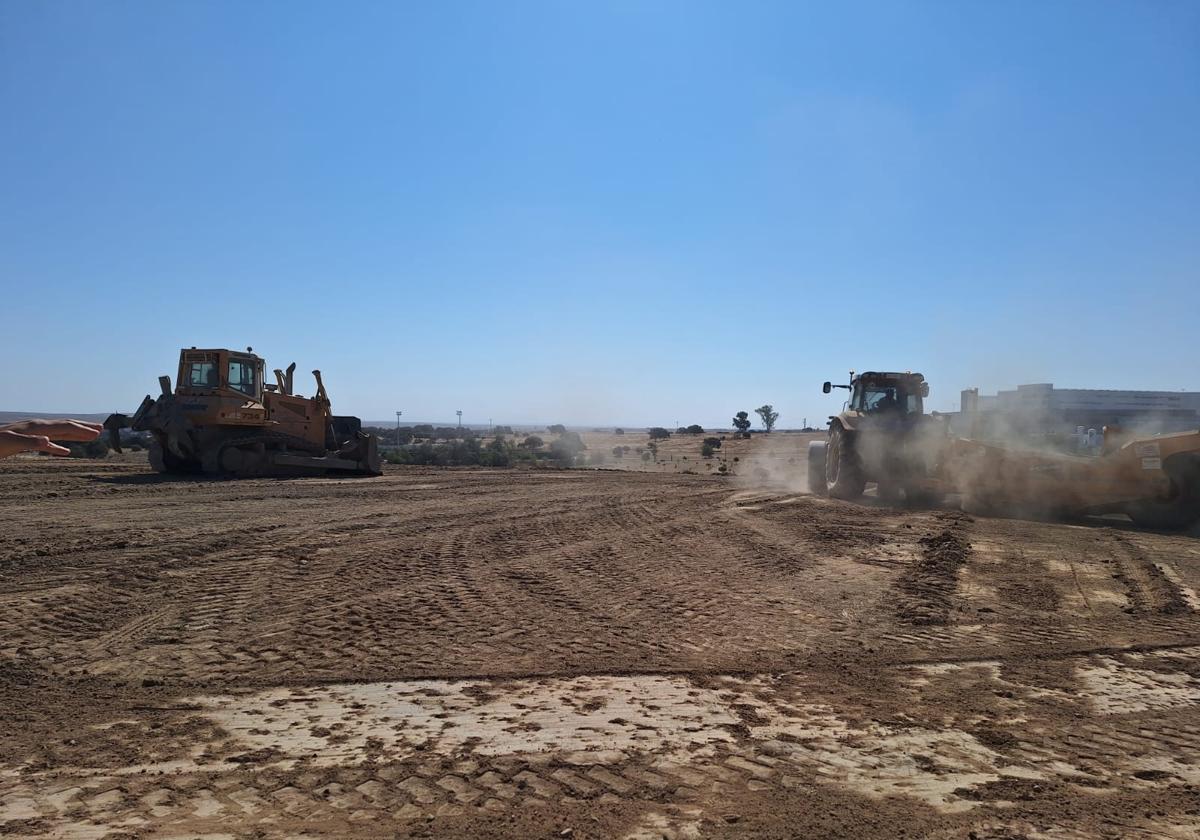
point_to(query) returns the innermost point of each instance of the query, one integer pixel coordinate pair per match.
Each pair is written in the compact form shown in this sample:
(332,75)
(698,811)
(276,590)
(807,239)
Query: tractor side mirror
(827,387)
(924,389)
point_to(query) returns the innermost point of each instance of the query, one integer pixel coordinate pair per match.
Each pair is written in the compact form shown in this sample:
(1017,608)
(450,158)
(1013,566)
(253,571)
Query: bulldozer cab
(219,372)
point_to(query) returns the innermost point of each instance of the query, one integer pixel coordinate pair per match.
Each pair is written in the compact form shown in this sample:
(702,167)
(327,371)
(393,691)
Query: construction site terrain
(581,653)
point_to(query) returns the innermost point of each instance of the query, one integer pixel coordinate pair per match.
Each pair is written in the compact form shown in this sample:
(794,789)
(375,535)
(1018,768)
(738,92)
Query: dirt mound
(930,582)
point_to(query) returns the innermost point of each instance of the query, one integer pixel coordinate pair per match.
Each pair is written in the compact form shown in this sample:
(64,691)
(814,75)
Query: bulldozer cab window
(242,378)
(202,375)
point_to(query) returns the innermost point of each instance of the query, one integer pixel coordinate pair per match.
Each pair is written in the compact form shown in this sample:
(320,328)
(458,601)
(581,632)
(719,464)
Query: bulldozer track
(211,461)
(515,653)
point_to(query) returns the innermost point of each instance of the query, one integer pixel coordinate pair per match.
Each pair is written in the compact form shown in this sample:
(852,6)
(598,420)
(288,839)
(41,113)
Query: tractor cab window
(202,375)
(880,399)
(877,400)
(242,378)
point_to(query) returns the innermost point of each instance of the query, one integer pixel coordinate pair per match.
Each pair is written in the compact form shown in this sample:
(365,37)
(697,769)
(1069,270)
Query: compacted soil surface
(580,654)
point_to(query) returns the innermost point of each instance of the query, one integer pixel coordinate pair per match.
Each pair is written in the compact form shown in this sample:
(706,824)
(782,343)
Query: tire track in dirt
(792,741)
(1149,590)
(855,672)
(929,584)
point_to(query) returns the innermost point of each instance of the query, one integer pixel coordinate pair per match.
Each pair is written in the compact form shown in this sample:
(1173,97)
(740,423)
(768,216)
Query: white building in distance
(1043,409)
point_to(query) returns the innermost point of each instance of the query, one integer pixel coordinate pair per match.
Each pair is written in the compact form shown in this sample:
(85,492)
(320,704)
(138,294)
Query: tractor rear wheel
(843,472)
(816,468)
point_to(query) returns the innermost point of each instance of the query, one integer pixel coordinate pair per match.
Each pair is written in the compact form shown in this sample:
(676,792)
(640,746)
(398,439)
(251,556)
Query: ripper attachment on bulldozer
(221,418)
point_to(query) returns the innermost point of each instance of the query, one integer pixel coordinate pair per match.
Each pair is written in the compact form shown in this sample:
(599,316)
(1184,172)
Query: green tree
(497,453)
(741,422)
(767,415)
(659,433)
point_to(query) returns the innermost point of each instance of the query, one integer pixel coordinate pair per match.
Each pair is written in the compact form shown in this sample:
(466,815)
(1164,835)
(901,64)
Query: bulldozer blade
(114,423)
(371,460)
(324,463)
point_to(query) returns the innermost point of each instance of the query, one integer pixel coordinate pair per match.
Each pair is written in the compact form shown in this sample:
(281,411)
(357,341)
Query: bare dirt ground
(580,654)
(777,459)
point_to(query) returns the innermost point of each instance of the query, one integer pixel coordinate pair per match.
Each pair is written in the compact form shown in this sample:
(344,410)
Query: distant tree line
(566,450)
(423,431)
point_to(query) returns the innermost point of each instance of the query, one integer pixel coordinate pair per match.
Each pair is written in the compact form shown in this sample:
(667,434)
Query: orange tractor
(223,419)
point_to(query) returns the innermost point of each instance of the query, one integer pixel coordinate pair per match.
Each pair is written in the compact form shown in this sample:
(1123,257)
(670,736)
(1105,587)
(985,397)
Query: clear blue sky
(627,213)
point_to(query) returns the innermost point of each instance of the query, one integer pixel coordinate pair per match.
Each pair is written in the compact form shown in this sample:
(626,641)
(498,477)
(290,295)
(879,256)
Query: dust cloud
(776,461)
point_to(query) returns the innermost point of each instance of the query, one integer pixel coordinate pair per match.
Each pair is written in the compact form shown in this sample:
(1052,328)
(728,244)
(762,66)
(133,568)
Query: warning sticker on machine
(1152,463)
(1147,450)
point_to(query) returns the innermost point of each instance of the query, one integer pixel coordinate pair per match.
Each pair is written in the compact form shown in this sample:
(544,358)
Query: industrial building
(1044,409)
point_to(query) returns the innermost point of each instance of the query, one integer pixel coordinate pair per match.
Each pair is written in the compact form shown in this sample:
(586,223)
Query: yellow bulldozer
(222,418)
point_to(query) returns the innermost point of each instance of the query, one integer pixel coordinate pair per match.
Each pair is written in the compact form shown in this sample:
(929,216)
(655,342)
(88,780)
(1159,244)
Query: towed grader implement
(1154,480)
(884,436)
(222,419)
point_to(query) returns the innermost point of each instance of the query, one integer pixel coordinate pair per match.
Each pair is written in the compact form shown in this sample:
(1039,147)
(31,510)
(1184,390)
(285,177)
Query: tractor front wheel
(816,468)
(843,472)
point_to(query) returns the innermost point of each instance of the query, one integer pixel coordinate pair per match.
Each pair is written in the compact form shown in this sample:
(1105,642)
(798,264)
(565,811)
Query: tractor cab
(885,395)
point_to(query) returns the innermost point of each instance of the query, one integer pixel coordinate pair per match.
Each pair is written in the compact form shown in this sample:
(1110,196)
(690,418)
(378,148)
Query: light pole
(459,413)
(398,413)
